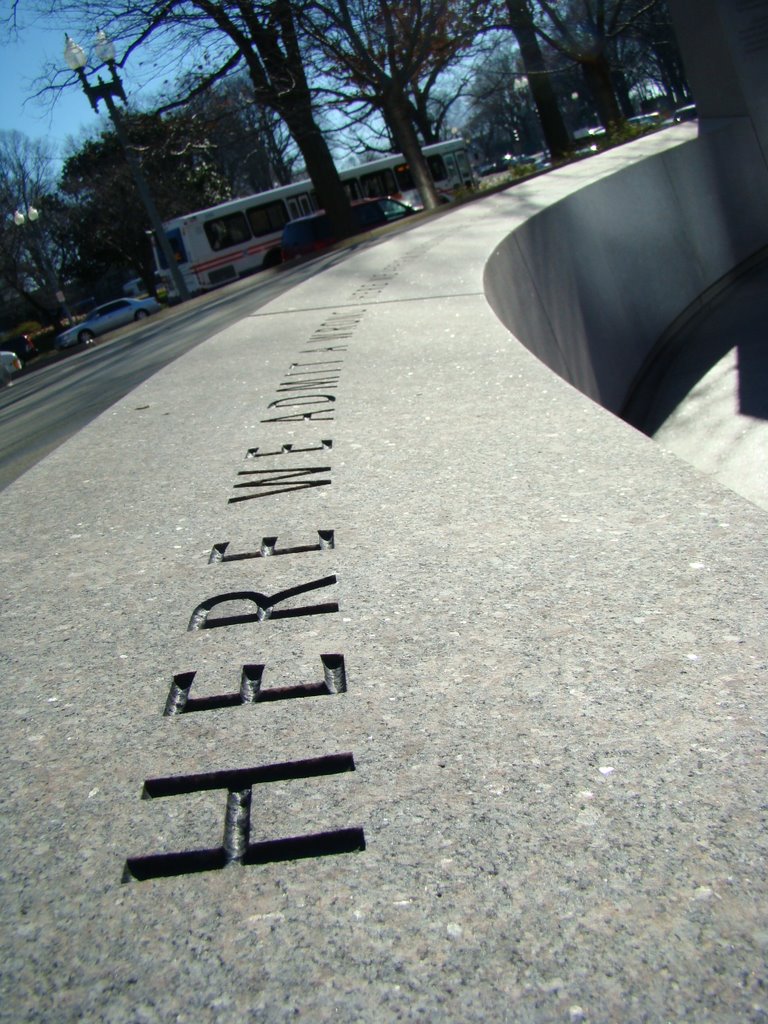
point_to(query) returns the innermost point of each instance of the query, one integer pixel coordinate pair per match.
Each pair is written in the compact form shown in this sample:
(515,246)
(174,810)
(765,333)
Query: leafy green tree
(109,223)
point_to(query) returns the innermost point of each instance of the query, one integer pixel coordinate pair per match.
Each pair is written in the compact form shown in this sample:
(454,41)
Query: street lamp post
(30,216)
(76,59)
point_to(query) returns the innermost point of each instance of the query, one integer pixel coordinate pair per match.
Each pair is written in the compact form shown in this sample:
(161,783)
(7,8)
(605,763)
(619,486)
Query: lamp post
(76,59)
(31,216)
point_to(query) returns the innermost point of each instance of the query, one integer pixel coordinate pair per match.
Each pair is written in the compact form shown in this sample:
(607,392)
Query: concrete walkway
(711,407)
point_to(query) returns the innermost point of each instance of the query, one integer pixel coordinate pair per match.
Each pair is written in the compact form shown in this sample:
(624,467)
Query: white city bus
(235,238)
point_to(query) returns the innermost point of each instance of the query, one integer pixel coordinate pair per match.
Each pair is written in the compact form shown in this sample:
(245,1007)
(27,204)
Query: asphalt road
(44,407)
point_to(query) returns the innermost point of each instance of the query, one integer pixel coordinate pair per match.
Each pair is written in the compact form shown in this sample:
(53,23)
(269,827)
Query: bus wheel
(272,259)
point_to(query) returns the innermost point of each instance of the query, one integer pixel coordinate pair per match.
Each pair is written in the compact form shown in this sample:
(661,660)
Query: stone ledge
(539,794)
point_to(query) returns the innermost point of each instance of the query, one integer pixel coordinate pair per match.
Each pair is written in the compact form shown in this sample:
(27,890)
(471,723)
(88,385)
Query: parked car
(686,113)
(649,120)
(137,287)
(9,364)
(22,346)
(314,232)
(496,167)
(106,318)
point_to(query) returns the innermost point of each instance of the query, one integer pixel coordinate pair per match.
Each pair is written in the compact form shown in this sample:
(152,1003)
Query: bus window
(305,204)
(452,172)
(266,220)
(404,177)
(177,248)
(437,168)
(464,168)
(231,229)
(353,189)
(378,183)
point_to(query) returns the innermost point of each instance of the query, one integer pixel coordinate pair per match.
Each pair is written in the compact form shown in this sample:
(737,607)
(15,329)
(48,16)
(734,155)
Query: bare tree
(216,37)
(31,256)
(650,59)
(586,32)
(502,115)
(250,144)
(521,23)
(381,49)
(434,96)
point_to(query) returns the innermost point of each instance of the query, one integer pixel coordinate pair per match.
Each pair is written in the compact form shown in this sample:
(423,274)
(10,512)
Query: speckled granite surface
(534,787)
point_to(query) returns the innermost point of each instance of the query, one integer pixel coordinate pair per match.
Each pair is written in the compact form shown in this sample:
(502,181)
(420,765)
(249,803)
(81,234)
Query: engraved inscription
(301,388)
(271,851)
(306,371)
(327,348)
(288,449)
(290,403)
(282,481)
(236,847)
(269,549)
(265,606)
(307,381)
(306,394)
(314,416)
(251,691)
(240,778)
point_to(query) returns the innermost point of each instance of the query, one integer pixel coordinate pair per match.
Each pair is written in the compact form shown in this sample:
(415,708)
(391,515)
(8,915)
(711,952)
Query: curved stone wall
(592,283)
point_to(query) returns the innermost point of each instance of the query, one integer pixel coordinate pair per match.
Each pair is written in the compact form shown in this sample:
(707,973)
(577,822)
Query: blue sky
(22,60)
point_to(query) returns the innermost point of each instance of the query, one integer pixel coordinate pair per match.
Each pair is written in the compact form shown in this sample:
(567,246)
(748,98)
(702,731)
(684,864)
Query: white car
(9,364)
(106,318)
(136,286)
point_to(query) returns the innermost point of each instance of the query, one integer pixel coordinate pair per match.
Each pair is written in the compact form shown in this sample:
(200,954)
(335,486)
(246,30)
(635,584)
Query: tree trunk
(673,77)
(622,93)
(39,307)
(277,72)
(420,116)
(331,194)
(407,142)
(552,124)
(597,75)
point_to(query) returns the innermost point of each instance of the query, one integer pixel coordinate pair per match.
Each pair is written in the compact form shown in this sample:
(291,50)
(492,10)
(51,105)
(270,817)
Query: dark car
(313,233)
(22,346)
(687,113)
(497,167)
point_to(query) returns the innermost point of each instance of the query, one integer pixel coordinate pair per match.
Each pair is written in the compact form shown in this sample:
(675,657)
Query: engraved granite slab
(357,668)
